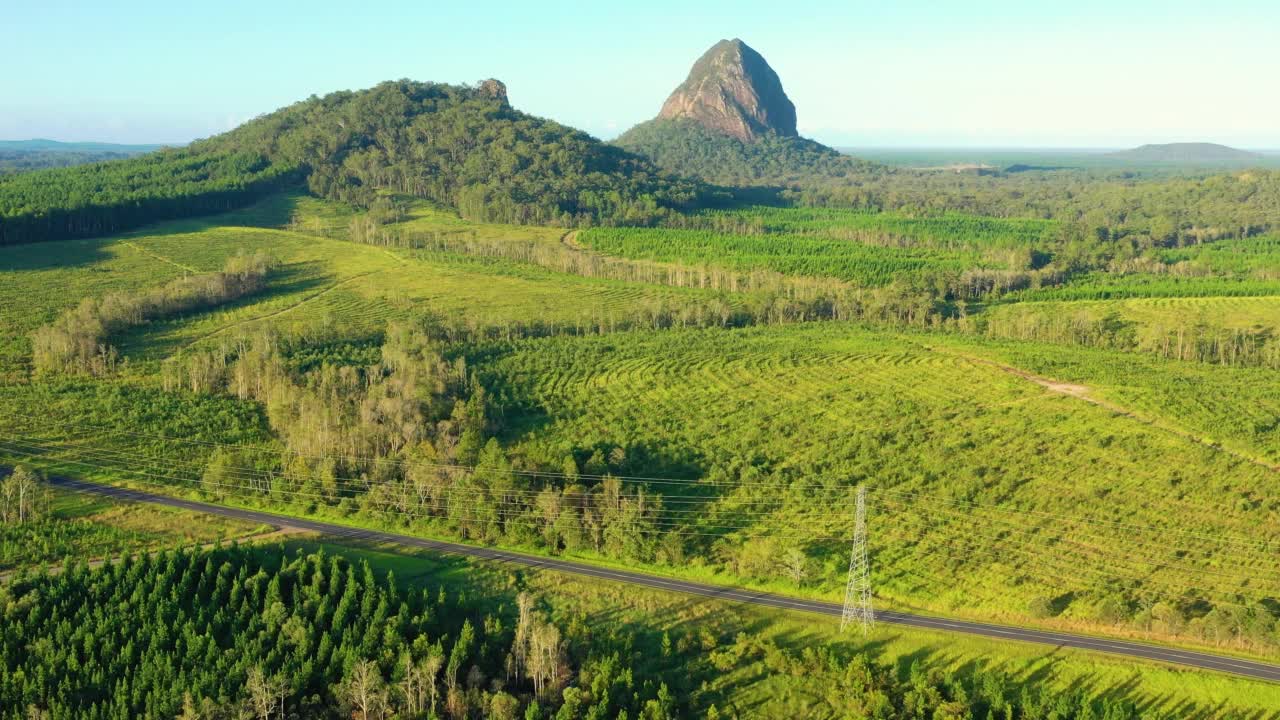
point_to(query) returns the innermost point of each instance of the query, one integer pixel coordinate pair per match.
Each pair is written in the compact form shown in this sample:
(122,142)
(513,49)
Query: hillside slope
(460,146)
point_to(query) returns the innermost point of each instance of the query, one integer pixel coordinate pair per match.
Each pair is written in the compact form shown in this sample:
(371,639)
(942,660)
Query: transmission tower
(857,594)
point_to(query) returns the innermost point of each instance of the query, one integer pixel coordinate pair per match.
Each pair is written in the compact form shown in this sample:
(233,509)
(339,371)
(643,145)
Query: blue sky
(901,73)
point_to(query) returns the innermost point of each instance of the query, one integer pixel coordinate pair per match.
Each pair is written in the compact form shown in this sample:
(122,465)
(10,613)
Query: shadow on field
(61,254)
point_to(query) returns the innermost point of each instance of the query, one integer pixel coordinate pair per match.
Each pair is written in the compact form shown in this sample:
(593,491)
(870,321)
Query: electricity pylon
(857,593)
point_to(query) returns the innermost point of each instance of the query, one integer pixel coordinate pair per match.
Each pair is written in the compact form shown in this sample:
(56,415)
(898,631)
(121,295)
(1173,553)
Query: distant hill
(1187,154)
(25,155)
(731,122)
(43,145)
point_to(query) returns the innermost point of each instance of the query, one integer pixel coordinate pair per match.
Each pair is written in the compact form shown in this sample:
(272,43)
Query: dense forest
(464,147)
(1114,207)
(236,633)
(108,197)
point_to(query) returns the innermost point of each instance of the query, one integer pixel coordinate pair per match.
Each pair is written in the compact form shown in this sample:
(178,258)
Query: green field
(1094,515)
(808,411)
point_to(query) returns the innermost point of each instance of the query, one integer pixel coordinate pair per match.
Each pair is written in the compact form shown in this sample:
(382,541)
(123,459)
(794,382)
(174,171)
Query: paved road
(1205,661)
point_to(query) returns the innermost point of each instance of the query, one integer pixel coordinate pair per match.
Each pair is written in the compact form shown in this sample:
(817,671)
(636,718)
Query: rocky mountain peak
(731,89)
(495,89)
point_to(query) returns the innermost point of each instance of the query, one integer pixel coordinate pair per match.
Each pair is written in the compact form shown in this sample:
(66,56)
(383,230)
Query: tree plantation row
(244,633)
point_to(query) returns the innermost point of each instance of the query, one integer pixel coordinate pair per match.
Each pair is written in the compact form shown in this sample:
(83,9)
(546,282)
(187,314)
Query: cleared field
(1009,480)
(781,422)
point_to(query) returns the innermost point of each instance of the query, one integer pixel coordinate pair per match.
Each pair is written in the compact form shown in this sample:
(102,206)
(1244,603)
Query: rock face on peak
(495,89)
(732,90)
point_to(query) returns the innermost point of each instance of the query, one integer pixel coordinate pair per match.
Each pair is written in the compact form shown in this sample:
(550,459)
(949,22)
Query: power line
(857,592)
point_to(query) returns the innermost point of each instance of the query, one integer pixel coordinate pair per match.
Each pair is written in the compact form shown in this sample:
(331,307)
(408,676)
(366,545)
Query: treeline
(110,197)
(18,161)
(1115,212)
(77,342)
(410,439)
(238,633)
(1177,340)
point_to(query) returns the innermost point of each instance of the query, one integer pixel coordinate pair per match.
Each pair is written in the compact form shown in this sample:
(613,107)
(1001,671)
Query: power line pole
(857,593)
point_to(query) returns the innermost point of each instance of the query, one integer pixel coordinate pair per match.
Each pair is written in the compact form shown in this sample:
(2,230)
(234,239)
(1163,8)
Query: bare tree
(364,691)
(263,694)
(795,564)
(431,667)
(21,496)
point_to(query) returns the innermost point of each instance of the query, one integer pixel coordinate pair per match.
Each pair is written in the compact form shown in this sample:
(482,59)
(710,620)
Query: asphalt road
(1189,658)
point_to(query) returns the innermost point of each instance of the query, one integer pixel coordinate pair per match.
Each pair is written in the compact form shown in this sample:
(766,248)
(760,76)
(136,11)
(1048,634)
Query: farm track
(157,256)
(310,298)
(1082,392)
(1187,658)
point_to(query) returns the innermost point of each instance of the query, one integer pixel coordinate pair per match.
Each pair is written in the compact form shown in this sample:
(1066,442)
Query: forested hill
(460,146)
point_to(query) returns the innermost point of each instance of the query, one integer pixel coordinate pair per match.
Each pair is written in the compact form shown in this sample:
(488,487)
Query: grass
(322,281)
(94,528)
